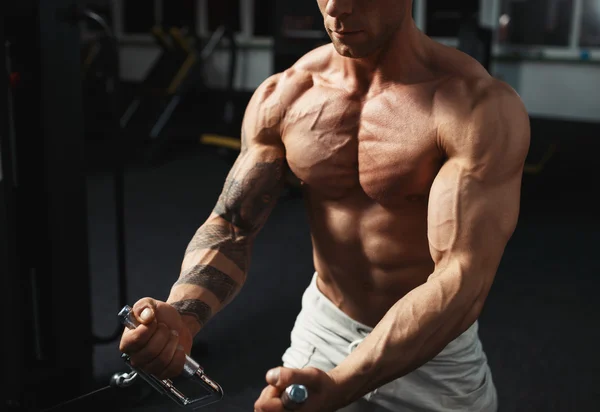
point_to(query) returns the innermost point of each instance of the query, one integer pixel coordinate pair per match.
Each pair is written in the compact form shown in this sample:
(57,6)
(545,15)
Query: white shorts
(457,379)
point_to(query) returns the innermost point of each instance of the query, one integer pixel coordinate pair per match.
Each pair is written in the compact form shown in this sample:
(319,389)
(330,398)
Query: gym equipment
(444,18)
(221,141)
(294,396)
(109,79)
(161,91)
(171,81)
(44,204)
(300,30)
(100,78)
(475,40)
(192,371)
(13,352)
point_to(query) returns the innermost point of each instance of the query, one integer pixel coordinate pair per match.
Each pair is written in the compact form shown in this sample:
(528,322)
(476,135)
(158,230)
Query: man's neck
(400,60)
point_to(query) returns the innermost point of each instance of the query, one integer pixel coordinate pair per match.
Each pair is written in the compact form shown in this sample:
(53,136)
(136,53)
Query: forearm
(213,271)
(216,261)
(412,332)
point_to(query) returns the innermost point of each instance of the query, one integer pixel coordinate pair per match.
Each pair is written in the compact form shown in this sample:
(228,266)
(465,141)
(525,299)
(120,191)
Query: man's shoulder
(459,95)
(278,92)
(480,113)
(284,88)
(315,61)
(302,73)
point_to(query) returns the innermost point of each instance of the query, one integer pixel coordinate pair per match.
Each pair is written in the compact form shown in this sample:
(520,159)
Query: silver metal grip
(128,319)
(294,396)
(191,370)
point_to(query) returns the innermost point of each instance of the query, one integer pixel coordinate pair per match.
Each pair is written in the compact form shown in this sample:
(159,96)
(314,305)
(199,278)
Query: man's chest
(384,146)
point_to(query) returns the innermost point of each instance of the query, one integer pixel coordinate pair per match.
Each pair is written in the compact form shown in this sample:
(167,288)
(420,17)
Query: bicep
(470,218)
(475,198)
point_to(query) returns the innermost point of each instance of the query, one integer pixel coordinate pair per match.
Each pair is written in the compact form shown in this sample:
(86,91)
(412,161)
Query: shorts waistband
(329,313)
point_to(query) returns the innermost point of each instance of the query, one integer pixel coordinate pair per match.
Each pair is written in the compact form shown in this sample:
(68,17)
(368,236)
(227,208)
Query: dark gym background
(120,120)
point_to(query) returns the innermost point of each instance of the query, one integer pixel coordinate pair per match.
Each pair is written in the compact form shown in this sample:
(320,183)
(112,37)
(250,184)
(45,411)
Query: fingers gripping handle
(128,319)
(293,397)
(191,370)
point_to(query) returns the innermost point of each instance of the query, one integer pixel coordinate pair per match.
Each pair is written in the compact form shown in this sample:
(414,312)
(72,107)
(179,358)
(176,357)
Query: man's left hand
(323,393)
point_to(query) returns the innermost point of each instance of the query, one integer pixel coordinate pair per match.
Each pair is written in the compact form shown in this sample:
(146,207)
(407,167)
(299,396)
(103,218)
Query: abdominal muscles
(368,256)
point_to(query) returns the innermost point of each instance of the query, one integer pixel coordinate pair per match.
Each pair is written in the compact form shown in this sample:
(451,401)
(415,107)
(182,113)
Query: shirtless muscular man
(411,157)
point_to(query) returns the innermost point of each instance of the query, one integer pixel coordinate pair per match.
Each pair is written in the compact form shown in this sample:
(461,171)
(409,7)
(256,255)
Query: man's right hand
(159,344)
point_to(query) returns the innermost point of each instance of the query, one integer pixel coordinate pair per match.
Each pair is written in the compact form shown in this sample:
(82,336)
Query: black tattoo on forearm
(223,239)
(247,200)
(194,307)
(208,277)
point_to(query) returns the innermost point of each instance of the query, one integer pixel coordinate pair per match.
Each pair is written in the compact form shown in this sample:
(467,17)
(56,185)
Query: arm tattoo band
(196,308)
(247,200)
(223,239)
(209,278)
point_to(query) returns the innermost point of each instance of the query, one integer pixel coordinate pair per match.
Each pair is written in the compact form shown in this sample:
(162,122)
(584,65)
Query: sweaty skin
(410,162)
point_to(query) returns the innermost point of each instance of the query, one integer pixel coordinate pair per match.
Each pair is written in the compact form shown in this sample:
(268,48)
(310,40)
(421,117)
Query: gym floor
(539,326)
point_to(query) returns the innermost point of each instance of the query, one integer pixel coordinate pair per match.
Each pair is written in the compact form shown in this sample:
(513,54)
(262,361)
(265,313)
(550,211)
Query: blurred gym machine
(175,80)
(47,354)
(299,30)
(475,40)
(100,61)
(13,353)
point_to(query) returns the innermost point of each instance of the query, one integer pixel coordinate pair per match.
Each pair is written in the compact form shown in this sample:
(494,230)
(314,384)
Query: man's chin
(348,51)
